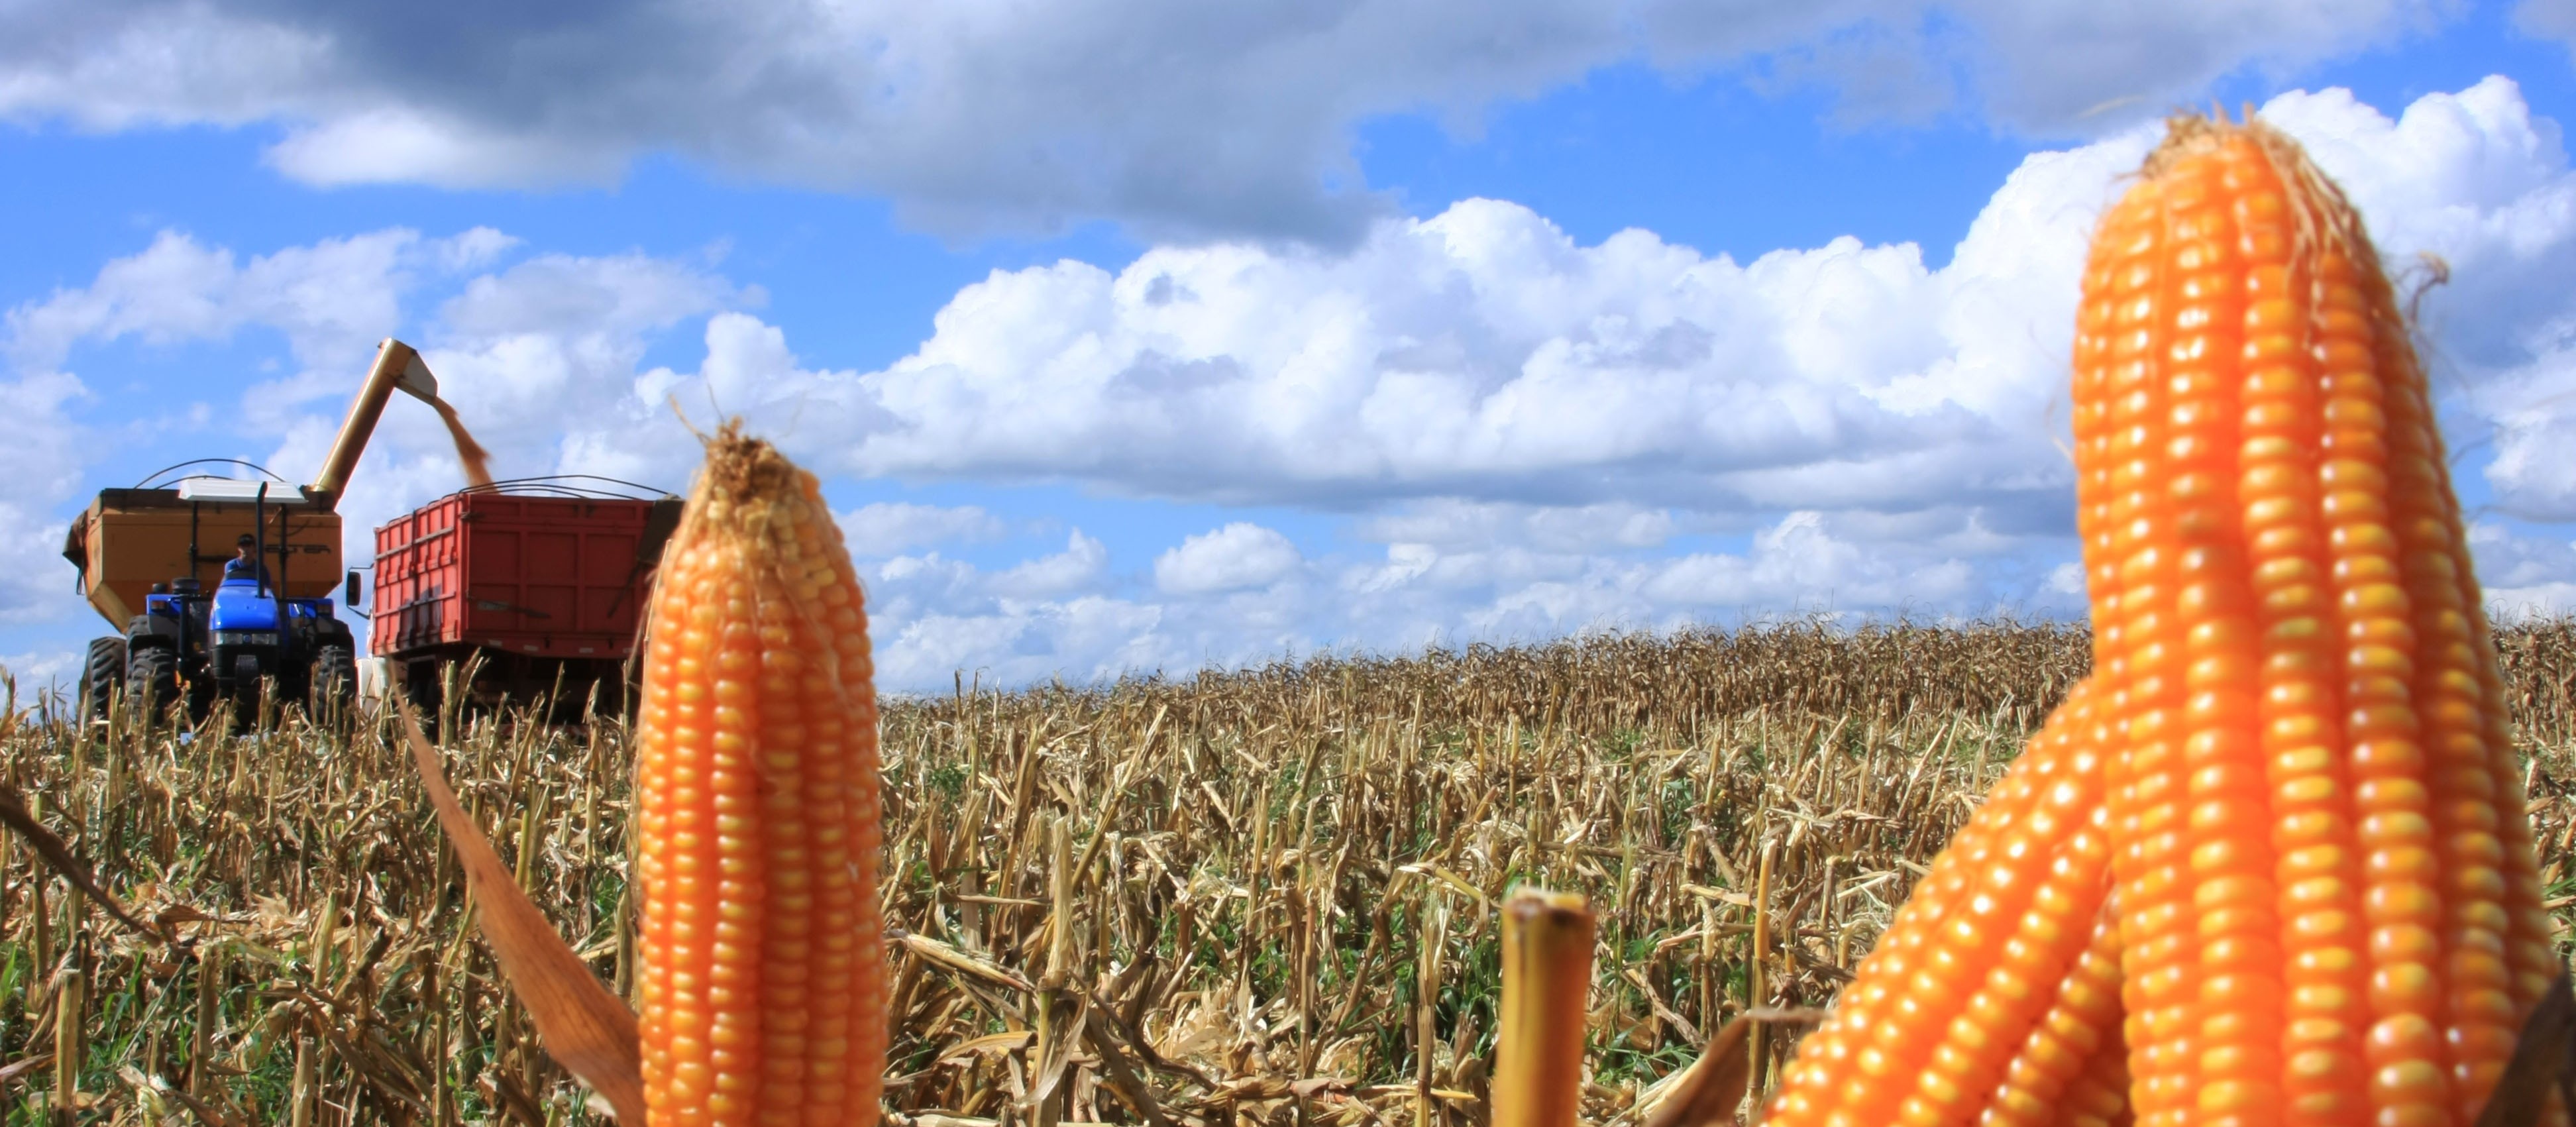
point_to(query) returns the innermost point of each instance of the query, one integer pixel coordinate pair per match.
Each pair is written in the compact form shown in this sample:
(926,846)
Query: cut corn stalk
(1547,984)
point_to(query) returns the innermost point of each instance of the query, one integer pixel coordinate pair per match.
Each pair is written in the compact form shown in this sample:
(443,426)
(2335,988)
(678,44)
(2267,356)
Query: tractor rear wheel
(151,681)
(333,683)
(101,676)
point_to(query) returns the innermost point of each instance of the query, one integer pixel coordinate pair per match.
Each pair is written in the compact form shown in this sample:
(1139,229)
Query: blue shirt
(246,568)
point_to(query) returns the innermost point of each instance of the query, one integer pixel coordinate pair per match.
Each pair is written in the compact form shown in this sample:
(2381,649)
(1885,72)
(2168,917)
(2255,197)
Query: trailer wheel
(102,675)
(151,681)
(334,683)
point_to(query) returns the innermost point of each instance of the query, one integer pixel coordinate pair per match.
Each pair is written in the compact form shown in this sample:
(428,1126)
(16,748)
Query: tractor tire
(101,676)
(151,681)
(332,684)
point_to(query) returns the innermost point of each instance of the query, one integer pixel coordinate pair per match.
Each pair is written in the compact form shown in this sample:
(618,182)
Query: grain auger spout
(398,365)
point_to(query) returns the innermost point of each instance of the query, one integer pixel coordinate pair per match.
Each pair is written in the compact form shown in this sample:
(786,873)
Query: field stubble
(1258,897)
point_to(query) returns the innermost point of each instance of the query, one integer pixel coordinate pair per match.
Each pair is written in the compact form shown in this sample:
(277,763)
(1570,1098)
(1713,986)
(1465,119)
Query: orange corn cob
(1932,1019)
(763,980)
(2326,911)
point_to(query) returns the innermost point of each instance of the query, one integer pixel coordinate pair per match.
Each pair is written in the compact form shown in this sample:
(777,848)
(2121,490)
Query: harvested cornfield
(1276,888)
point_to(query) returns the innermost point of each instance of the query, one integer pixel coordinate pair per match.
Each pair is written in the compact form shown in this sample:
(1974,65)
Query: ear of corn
(2327,907)
(763,979)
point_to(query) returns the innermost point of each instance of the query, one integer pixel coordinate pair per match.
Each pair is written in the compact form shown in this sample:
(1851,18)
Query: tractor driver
(245,561)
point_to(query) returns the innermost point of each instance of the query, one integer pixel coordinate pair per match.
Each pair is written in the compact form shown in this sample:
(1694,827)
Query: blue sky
(1133,334)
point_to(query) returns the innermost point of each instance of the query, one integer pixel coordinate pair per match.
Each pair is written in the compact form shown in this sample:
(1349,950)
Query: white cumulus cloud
(40,458)
(2525,574)
(885,528)
(1484,357)
(1450,523)
(1237,556)
(330,299)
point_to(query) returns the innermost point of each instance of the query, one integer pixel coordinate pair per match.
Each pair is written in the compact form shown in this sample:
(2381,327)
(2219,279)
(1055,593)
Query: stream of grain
(469,453)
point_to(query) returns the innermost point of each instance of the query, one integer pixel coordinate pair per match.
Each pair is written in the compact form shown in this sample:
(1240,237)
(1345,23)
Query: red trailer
(543,580)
